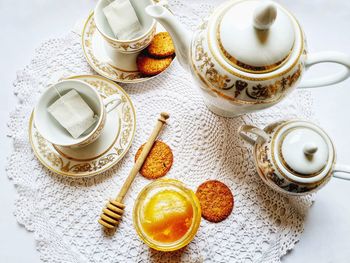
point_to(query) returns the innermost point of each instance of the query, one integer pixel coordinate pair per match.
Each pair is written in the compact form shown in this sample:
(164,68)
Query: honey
(166,215)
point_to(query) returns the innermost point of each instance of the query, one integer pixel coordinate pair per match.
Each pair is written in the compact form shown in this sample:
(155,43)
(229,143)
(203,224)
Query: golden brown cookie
(216,200)
(158,161)
(161,46)
(152,66)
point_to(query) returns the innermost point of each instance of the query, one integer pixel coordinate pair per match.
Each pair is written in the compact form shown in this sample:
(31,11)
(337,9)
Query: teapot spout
(179,34)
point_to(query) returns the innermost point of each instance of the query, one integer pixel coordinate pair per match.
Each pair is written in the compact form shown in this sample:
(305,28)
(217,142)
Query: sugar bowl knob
(310,149)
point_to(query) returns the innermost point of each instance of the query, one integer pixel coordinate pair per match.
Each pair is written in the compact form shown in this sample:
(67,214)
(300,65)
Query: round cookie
(161,46)
(216,200)
(152,66)
(158,161)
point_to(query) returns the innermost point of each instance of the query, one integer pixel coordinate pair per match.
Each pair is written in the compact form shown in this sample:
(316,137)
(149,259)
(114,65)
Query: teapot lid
(303,152)
(255,36)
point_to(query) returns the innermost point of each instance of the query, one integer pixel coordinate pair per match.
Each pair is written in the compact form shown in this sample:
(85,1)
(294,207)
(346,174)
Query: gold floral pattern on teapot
(235,88)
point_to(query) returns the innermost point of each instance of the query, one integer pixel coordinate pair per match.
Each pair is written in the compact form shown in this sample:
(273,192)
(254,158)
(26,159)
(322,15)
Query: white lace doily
(63,212)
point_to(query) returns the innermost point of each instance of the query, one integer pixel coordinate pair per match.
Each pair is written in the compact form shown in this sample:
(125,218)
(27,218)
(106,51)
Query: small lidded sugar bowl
(295,157)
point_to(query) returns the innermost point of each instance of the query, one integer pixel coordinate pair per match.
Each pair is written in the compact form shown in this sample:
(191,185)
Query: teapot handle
(246,129)
(322,57)
(344,171)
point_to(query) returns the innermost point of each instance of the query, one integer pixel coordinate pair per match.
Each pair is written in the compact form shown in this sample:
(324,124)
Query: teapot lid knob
(255,36)
(264,15)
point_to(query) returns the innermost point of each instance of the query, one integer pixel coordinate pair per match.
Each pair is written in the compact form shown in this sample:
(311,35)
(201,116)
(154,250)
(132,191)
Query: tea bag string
(59,94)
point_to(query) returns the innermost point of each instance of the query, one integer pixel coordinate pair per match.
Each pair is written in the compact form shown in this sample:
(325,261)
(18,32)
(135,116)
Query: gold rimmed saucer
(97,157)
(98,55)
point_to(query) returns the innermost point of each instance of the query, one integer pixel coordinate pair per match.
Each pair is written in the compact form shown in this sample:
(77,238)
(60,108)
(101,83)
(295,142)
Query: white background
(27,23)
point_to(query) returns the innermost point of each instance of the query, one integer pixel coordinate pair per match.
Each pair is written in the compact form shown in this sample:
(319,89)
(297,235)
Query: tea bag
(73,113)
(122,19)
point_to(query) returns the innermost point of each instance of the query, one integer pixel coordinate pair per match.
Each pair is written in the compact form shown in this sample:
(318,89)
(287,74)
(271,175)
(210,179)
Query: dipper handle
(146,149)
(114,209)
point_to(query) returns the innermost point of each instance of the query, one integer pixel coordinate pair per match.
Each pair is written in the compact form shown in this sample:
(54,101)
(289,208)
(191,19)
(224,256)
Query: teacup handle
(112,102)
(246,129)
(322,57)
(344,171)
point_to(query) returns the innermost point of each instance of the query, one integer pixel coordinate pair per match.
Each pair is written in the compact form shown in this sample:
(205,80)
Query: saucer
(113,143)
(98,54)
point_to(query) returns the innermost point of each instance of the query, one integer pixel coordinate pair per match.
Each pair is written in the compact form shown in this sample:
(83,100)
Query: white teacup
(148,29)
(53,132)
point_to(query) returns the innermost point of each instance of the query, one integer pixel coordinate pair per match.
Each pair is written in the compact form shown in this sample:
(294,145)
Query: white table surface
(25,24)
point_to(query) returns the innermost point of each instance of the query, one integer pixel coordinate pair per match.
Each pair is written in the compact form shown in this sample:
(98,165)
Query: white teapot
(247,56)
(294,157)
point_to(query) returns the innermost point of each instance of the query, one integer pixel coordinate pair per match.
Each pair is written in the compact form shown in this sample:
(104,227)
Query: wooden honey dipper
(114,209)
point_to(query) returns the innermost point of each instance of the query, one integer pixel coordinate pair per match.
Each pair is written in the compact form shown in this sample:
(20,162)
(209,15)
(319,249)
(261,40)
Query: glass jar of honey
(166,215)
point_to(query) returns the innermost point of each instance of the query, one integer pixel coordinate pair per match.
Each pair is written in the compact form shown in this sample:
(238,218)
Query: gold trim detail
(239,64)
(273,141)
(212,75)
(267,172)
(259,93)
(93,137)
(66,168)
(104,68)
(297,60)
(130,47)
(111,40)
(94,157)
(249,68)
(285,164)
(128,71)
(59,164)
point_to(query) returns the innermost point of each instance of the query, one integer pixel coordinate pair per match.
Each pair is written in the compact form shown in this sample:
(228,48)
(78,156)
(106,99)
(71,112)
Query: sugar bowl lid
(255,36)
(303,152)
